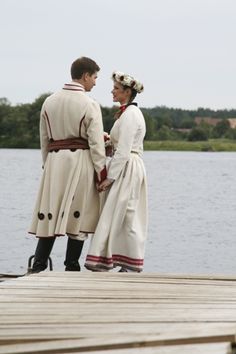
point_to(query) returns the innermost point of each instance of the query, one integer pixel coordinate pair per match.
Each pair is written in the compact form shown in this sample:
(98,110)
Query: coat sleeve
(94,130)
(127,131)
(44,138)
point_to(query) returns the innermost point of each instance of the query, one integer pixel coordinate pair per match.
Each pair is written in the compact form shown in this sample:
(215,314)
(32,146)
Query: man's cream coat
(68,202)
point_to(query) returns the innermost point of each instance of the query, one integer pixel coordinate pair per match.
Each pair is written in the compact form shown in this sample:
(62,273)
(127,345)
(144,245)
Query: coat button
(40,216)
(49,216)
(76,214)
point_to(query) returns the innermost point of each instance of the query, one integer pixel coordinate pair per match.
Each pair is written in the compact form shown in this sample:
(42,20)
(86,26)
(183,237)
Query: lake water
(192,212)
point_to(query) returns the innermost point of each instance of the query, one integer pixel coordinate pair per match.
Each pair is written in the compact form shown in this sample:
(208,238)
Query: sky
(183,51)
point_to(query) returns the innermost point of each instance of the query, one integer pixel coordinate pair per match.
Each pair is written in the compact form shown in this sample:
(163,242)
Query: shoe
(73,252)
(123,270)
(73,267)
(41,256)
(37,267)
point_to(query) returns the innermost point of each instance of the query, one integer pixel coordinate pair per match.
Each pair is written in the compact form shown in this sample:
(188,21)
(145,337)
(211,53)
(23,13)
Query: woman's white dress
(120,235)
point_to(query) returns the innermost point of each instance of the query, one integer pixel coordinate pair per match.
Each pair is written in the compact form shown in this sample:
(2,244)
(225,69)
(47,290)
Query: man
(72,145)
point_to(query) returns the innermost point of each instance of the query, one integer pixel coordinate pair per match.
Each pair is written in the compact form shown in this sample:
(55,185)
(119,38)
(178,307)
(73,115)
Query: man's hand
(103,186)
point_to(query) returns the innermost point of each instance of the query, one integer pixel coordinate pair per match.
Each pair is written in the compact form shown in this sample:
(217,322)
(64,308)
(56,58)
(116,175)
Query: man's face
(89,81)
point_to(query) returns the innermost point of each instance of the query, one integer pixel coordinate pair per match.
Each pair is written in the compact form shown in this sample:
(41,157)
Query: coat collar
(74,86)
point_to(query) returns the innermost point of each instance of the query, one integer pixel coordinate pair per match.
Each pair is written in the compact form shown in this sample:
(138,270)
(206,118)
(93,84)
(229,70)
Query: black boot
(42,254)
(73,252)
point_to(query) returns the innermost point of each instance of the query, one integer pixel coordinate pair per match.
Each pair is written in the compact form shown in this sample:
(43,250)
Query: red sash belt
(71,144)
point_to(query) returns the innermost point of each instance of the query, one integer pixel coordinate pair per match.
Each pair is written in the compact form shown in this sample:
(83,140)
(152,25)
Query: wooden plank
(33,298)
(119,319)
(111,307)
(219,348)
(109,283)
(106,286)
(104,343)
(127,278)
(164,331)
(141,276)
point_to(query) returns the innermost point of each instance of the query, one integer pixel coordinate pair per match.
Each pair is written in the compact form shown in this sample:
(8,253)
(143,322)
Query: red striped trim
(70,89)
(103,174)
(69,233)
(49,126)
(82,232)
(99,259)
(100,177)
(34,233)
(80,126)
(128,259)
(74,87)
(114,258)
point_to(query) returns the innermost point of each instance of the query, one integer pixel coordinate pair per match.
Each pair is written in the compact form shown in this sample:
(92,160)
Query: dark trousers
(44,248)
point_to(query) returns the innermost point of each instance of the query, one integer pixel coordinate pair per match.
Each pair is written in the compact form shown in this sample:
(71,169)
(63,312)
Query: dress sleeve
(43,135)
(127,130)
(94,130)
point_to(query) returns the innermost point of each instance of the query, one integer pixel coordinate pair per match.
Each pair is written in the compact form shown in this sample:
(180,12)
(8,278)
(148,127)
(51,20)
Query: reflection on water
(192,205)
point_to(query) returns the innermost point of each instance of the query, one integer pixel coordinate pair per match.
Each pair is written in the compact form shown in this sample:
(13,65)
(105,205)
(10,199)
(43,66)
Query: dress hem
(59,235)
(97,262)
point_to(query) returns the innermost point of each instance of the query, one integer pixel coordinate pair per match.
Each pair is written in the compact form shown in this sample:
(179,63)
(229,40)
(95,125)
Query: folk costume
(119,239)
(72,145)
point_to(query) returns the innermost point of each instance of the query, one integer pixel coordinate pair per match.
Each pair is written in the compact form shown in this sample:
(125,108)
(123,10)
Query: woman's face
(120,94)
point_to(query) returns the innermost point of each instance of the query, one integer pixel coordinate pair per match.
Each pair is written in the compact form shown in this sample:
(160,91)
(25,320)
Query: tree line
(19,124)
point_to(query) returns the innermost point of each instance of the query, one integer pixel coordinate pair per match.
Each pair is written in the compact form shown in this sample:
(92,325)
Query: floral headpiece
(127,80)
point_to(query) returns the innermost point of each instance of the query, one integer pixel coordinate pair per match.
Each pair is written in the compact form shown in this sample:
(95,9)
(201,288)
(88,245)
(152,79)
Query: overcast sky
(184,51)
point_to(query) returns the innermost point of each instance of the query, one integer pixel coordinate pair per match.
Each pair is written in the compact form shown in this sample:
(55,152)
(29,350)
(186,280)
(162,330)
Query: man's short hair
(83,65)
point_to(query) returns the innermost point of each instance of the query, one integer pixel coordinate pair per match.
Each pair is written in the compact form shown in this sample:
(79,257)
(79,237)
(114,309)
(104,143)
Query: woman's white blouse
(127,136)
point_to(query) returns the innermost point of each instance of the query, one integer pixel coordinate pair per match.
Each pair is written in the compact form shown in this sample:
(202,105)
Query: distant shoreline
(212,145)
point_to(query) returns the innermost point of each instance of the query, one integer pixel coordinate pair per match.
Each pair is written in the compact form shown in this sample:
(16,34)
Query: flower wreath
(127,80)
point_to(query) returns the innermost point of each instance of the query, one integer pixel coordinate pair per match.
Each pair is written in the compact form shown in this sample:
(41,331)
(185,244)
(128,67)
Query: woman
(120,235)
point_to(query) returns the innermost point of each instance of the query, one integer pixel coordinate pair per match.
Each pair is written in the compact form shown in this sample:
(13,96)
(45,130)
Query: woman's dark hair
(133,92)
(83,65)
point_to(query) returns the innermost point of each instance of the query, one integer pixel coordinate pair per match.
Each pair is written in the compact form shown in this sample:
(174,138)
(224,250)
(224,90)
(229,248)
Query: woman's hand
(103,186)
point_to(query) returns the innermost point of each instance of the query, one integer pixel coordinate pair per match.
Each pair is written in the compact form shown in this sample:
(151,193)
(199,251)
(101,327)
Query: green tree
(221,129)
(198,134)
(108,117)
(231,134)
(164,133)
(5,110)
(150,127)
(187,123)
(33,117)
(207,128)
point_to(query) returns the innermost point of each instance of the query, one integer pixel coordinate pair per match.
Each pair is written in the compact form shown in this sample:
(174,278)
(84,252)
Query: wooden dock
(117,313)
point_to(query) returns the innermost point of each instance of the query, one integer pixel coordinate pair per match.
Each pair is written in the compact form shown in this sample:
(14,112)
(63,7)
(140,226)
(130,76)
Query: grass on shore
(210,145)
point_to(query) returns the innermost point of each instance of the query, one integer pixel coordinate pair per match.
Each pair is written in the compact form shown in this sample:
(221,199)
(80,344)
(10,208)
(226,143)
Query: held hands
(103,186)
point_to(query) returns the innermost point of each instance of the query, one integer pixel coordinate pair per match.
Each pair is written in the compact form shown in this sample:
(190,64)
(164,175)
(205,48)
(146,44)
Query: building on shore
(214,121)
